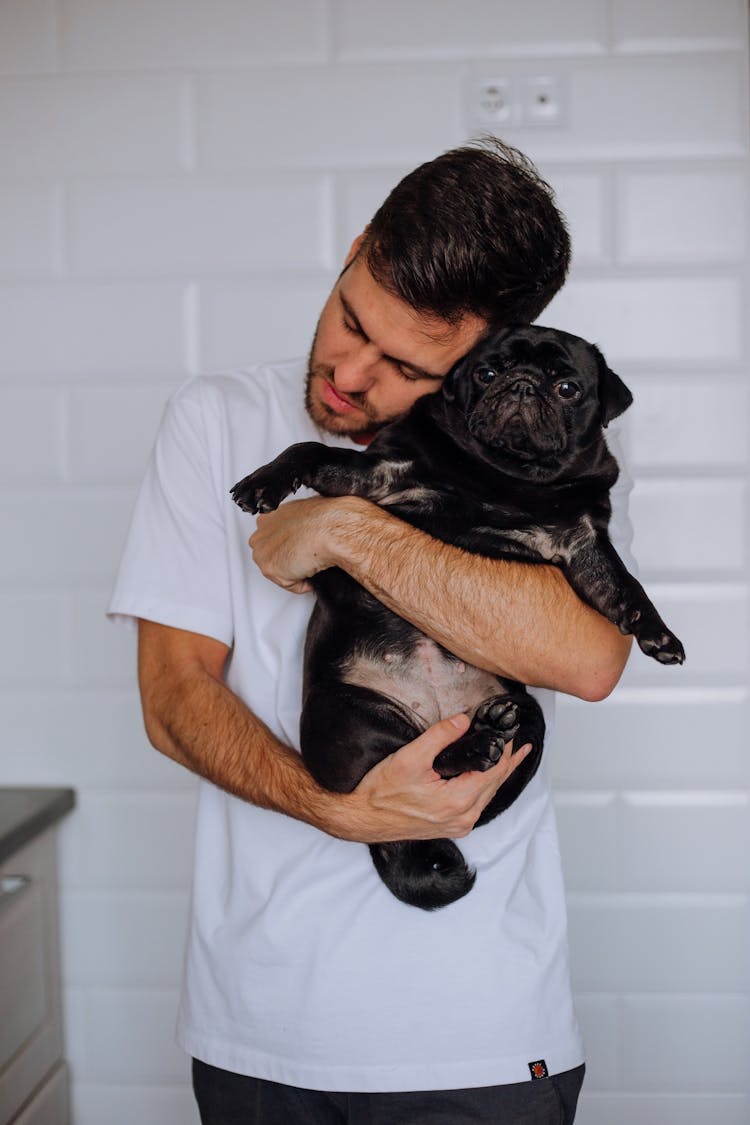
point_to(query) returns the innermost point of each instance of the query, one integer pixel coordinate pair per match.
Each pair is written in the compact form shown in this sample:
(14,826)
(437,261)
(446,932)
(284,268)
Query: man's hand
(291,544)
(403,798)
(193,718)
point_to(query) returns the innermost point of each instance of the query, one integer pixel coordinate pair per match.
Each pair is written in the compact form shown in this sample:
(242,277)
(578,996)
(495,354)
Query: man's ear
(614,396)
(355,247)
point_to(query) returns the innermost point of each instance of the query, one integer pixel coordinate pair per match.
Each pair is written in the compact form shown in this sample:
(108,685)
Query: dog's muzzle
(520,420)
(521,389)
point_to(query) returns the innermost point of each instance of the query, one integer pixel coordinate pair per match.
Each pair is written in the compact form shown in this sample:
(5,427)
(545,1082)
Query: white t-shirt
(301,966)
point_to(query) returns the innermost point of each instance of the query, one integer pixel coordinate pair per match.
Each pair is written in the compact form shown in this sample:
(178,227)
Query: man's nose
(356,371)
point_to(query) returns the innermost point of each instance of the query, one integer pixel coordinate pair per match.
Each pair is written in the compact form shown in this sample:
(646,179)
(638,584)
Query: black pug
(507,460)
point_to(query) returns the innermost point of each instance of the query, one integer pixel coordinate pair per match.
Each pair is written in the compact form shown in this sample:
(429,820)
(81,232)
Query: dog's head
(531,399)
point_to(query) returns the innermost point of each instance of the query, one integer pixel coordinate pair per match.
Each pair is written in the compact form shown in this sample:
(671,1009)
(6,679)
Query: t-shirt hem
(396,1078)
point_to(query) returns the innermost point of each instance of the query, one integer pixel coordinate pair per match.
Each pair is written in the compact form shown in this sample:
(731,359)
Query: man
(311,994)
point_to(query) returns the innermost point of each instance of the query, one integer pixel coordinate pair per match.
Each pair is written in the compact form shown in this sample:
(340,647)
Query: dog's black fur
(509,461)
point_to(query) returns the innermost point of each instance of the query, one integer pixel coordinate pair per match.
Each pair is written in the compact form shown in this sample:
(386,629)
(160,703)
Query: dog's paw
(451,763)
(476,752)
(495,723)
(262,491)
(662,646)
(652,635)
(498,716)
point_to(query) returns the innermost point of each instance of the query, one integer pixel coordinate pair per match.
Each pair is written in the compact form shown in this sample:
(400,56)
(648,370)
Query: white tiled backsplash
(179,183)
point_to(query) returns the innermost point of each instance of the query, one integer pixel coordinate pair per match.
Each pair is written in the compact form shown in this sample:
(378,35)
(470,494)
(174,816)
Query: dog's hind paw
(470,754)
(499,715)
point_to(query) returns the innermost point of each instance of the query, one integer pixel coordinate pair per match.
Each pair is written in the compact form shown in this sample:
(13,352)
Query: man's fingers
(513,758)
(429,744)
(508,761)
(490,780)
(420,805)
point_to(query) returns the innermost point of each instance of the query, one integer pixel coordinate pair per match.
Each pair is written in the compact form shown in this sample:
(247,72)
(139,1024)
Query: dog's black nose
(522,388)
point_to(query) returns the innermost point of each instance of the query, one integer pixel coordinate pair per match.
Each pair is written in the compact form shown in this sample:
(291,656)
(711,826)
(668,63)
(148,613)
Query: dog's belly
(427,681)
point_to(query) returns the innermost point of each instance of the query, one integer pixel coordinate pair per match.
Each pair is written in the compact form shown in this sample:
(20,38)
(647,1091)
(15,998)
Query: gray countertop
(24,813)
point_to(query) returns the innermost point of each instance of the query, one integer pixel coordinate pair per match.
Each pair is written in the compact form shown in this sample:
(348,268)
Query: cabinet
(33,1074)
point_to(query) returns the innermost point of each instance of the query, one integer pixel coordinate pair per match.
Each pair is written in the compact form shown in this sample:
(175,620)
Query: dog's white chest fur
(427,681)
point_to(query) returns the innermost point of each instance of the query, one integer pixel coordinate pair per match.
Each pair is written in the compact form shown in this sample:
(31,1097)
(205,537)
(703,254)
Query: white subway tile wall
(32,436)
(422,29)
(708,423)
(180,182)
(109,430)
(180,226)
(686,318)
(690,26)
(599,1017)
(60,124)
(663,511)
(30,230)
(687,216)
(97,329)
(139,34)
(28,37)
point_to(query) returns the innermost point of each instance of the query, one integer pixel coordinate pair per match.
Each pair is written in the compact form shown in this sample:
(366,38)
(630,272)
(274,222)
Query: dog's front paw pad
(246,496)
(258,493)
(664,647)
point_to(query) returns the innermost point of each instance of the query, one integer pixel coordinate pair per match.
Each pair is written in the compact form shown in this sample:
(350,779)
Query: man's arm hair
(515,619)
(192,717)
(518,620)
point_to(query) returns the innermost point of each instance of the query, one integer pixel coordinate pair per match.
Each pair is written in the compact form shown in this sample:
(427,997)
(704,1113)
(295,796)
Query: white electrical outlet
(519,102)
(542,100)
(491,102)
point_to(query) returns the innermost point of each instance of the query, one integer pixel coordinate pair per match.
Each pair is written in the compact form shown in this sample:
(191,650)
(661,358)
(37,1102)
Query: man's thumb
(441,734)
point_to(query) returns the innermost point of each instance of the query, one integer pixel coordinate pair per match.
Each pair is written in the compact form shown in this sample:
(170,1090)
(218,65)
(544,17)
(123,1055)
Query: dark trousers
(234,1099)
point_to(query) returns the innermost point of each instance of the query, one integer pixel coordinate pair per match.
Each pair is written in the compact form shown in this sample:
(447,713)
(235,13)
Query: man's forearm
(515,619)
(194,718)
(197,721)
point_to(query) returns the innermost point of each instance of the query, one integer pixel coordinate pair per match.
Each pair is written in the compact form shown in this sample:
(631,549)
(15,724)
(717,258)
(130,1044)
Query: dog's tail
(424,873)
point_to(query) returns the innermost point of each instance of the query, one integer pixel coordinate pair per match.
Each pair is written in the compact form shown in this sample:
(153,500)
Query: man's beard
(328,420)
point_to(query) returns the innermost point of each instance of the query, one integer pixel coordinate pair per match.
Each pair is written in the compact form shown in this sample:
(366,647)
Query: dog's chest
(427,680)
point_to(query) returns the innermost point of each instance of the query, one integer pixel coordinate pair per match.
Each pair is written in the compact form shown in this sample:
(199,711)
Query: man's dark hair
(475,231)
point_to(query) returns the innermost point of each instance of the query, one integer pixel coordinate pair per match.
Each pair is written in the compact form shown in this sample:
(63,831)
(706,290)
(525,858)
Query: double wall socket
(516,102)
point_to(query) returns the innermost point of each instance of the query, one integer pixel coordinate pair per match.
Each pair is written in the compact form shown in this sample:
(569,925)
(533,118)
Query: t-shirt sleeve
(174,567)
(620,527)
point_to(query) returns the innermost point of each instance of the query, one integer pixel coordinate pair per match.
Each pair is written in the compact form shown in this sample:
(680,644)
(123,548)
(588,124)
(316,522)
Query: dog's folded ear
(457,383)
(614,396)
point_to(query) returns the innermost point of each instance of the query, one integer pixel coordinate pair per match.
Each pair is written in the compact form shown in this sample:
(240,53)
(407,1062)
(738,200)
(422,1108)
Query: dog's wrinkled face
(533,397)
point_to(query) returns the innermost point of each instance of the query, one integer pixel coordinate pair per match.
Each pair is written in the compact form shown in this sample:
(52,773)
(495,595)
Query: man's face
(373,356)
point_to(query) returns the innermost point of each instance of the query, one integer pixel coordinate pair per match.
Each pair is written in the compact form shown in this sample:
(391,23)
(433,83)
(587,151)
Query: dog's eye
(485,374)
(567,389)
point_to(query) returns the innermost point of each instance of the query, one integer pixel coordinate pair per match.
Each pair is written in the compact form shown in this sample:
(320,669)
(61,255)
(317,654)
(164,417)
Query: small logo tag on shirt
(538,1069)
